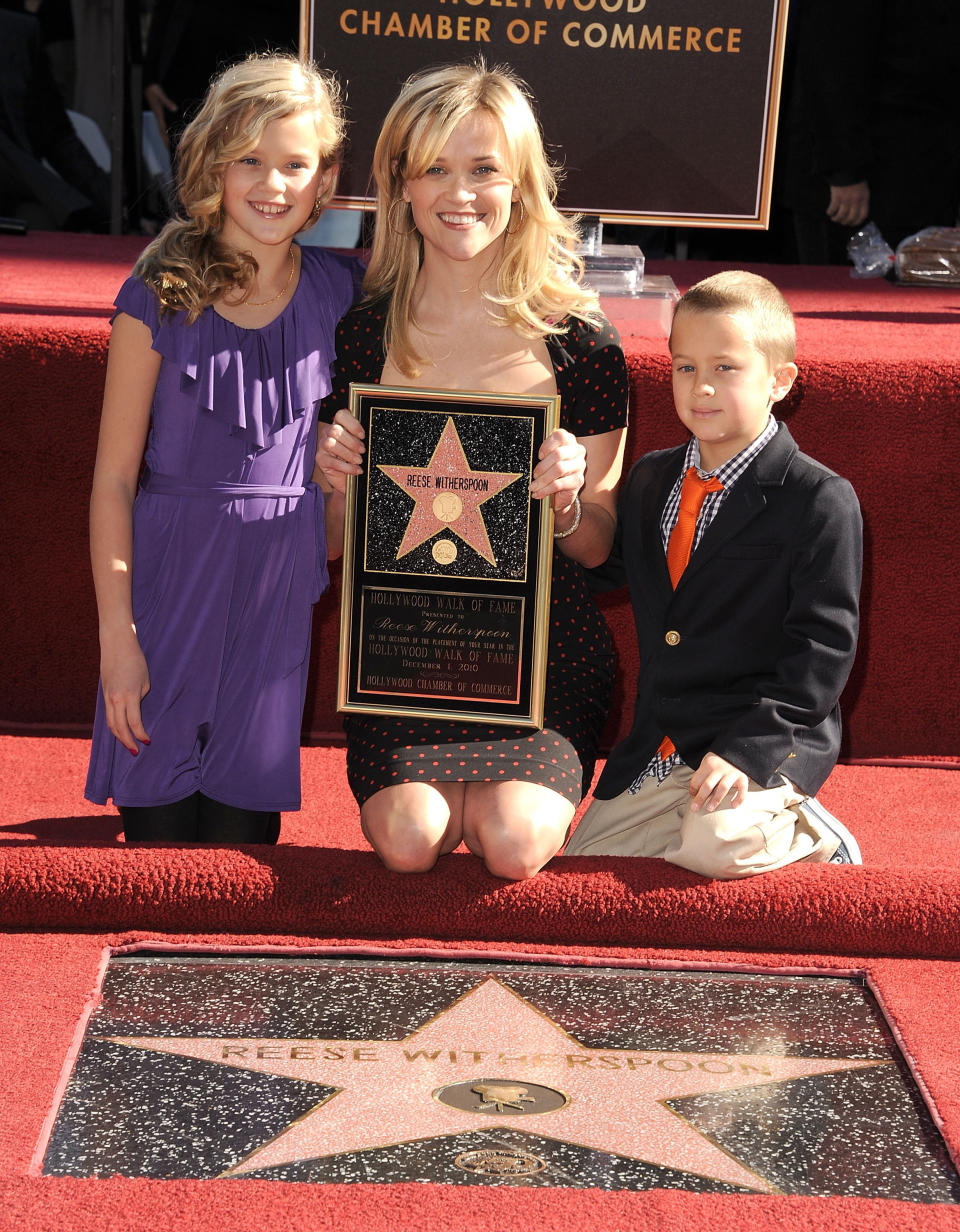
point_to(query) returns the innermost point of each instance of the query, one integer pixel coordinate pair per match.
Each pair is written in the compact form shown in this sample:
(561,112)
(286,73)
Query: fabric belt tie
(692,495)
(171,485)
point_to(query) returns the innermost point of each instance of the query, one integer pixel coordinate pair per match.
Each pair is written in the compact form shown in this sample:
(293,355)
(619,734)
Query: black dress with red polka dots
(381,752)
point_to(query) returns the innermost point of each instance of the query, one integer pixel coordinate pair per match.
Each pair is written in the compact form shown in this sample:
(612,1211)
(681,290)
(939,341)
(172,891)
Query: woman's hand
(340,450)
(561,470)
(125,681)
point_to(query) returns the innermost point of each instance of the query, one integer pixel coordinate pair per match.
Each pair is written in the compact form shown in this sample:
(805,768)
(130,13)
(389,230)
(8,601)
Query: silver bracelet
(574,525)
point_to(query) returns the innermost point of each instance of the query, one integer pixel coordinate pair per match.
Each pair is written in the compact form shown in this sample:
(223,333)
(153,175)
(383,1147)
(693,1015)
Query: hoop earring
(519,226)
(390,219)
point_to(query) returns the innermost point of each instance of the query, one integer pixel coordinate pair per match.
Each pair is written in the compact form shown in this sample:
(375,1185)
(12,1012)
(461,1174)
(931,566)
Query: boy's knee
(731,843)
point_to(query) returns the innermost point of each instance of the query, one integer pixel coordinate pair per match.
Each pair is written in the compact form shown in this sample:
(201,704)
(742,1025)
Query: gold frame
(461,609)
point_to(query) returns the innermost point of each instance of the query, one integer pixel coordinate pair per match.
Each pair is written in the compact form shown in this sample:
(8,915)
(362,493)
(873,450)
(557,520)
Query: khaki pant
(766,832)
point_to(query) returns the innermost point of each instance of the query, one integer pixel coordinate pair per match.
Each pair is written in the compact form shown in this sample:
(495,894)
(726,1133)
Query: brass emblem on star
(499,1163)
(496,1097)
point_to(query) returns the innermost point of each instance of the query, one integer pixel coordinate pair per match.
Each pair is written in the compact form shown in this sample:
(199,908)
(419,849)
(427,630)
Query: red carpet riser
(65,903)
(876,361)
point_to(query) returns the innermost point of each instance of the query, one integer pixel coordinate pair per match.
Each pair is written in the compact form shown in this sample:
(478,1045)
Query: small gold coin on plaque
(499,1163)
(445,550)
(447,506)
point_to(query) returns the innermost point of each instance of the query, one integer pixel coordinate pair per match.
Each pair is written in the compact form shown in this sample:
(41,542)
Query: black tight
(198,819)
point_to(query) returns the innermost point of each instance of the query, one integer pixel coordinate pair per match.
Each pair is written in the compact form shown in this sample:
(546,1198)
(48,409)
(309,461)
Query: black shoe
(848,852)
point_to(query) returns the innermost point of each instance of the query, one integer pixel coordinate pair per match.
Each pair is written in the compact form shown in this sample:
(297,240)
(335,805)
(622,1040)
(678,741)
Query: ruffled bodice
(255,382)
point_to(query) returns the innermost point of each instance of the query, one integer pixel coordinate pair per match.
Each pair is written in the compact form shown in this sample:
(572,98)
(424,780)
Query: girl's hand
(561,471)
(125,681)
(340,450)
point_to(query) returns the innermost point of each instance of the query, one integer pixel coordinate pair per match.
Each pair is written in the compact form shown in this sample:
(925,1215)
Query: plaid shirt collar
(730,472)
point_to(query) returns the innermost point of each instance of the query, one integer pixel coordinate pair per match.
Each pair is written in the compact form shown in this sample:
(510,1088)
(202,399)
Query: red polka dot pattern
(592,382)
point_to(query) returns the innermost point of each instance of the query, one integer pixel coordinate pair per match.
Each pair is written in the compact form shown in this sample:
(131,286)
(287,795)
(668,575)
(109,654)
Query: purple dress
(229,553)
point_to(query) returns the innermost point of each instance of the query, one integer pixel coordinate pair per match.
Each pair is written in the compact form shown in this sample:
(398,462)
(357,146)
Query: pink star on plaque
(491,1060)
(448,495)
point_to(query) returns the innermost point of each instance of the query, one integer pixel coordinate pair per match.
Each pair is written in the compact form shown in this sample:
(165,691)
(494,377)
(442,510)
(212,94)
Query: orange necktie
(692,495)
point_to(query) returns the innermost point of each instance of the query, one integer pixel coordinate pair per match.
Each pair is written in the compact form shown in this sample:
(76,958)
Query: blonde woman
(473,284)
(207,530)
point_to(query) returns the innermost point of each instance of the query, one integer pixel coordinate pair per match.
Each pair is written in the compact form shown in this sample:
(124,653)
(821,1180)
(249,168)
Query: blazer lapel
(652,501)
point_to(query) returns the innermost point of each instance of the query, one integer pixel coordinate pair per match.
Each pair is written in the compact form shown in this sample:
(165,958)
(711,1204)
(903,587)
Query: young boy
(745,649)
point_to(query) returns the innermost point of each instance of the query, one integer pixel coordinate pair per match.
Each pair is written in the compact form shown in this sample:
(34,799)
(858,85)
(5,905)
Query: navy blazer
(747,658)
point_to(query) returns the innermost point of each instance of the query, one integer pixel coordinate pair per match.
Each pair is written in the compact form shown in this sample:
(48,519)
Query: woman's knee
(516,831)
(408,833)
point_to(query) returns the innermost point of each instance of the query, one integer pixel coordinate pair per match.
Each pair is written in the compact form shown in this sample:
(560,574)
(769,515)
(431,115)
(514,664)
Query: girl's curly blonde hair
(188,265)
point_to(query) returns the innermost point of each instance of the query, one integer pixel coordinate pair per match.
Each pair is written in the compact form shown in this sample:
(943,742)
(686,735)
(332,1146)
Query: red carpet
(69,889)
(877,401)
(49,978)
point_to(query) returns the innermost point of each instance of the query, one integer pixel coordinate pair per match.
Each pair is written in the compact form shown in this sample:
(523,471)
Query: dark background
(653,135)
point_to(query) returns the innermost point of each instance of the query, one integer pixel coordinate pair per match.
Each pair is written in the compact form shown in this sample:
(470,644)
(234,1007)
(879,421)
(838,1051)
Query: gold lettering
(365,1054)
(651,38)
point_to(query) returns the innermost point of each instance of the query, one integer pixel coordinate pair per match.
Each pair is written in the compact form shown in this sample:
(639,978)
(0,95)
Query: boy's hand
(712,781)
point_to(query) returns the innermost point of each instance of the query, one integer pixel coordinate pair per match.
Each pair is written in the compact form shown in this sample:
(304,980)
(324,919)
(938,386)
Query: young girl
(209,548)
(473,285)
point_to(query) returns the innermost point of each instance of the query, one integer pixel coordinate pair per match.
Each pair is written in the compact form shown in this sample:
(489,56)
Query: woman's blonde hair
(188,265)
(538,278)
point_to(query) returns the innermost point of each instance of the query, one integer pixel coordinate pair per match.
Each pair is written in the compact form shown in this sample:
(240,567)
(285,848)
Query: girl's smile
(269,193)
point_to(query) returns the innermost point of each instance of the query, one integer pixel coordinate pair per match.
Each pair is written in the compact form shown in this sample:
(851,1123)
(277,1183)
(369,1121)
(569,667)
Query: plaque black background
(403,429)
(409,438)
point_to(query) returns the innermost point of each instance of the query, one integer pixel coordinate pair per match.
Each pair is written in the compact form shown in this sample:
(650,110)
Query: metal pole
(117,76)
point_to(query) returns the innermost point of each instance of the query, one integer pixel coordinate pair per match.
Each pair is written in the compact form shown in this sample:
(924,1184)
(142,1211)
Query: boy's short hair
(737,291)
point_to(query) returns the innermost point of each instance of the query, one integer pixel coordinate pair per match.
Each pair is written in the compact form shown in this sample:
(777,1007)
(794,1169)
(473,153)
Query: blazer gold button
(672,638)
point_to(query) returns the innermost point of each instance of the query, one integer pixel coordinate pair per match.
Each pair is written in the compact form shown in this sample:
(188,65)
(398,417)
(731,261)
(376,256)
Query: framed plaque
(447,560)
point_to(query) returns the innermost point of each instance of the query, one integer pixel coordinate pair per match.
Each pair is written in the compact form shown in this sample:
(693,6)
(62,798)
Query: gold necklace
(249,303)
